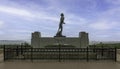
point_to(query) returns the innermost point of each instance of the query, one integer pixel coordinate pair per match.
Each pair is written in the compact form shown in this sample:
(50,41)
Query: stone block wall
(40,42)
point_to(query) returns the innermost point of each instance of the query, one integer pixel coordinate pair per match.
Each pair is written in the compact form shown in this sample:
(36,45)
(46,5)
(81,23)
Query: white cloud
(75,20)
(27,14)
(107,20)
(1,24)
(40,15)
(110,13)
(15,11)
(103,25)
(116,2)
(20,31)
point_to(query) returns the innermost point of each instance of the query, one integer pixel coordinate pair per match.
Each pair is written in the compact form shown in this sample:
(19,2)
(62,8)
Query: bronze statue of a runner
(60,29)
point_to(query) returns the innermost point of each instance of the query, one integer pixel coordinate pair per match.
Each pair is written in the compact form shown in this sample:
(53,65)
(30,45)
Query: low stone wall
(79,42)
(59,40)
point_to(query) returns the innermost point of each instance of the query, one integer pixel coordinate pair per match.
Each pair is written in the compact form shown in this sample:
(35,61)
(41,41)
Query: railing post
(87,52)
(31,54)
(115,54)
(17,51)
(4,53)
(21,50)
(102,50)
(59,54)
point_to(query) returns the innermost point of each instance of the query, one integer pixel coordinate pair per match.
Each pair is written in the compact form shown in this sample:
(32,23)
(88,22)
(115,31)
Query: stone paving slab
(60,65)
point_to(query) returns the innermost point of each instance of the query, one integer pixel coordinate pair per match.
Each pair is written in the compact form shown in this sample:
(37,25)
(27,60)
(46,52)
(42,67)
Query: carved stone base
(79,42)
(59,34)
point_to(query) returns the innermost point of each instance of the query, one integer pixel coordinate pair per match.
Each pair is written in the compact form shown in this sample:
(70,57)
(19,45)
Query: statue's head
(62,14)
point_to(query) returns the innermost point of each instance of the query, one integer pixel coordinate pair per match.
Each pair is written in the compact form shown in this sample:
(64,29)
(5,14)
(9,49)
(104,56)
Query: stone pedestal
(59,36)
(40,42)
(84,39)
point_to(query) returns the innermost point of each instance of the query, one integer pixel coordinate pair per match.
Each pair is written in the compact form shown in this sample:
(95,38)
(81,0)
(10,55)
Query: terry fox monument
(60,29)
(41,42)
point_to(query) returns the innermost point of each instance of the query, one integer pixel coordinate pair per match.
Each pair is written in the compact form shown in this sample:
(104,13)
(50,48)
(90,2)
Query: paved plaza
(58,65)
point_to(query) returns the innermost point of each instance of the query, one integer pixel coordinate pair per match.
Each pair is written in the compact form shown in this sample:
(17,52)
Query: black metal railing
(22,53)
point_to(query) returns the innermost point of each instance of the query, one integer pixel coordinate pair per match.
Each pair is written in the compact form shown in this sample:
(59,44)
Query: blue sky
(100,18)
